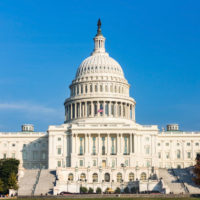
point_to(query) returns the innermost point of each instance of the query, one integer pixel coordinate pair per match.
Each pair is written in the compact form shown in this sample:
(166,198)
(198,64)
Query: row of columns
(88,143)
(93,108)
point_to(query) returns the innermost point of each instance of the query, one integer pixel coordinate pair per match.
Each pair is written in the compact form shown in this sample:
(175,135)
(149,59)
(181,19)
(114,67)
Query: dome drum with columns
(100,88)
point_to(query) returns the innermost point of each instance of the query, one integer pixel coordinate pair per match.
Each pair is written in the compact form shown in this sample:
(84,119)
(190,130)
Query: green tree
(197,170)
(12,181)
(98,190)
(126,190)
(83,190)
(117,190)
(1,186)
(90,191)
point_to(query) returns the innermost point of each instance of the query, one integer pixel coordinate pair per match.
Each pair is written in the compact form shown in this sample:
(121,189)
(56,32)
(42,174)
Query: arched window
(107,177)
(95,177)
(70,177)
(83,177)
(143,176)
(90,88)
(86,89)
(119,177)
(131,177)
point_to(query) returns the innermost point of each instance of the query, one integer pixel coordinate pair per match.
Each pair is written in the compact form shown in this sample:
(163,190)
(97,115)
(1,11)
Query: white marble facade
(100,144)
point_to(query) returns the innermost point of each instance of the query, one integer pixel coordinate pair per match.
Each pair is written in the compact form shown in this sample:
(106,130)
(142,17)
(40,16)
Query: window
(126,162)
(95,177)
(95,108)
(90,88)
(4,156)
(101,88)
(131,177)
(167,155)
(81,89)
(81,146)
(59,151)
(59,139)
(103,163)
(13,155)
(86,89)
(119,177)
(178,154)
(143,176)
(70,177)
(106,109)
(77,89)
(188,144)
(94,146)
(83,177)
(59,163)
(107,177)
(125,145)
(24,145)
(96,88)
(112,109)
(178,144)
(131,112)
(94,163)
(81,163)
(147,150)
(159,154)
(197,144)
(113,163)
(103,146)
(113,146)
(167,144)
(189,155)
(24,155)
(158,144)
(13,145)
(43,155)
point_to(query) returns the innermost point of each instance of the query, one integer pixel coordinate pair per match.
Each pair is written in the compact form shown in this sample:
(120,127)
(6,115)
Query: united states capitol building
(100,144)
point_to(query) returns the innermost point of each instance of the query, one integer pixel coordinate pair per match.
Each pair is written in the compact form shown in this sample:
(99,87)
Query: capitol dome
(99,89)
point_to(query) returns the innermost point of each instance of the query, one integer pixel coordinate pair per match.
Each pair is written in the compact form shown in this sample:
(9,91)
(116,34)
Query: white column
(98,107)
(92,109)
(104,108)
(131,143)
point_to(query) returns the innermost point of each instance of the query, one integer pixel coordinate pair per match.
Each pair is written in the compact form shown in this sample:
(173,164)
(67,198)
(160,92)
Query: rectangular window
(167,155)
(81,146)
(94,146)
(94,163)
(43,155)
(4,155)
(103,146)
(59,151)
(81,163)
(59,139)
(159,154)
(59,163)
(13,155)
(188,154)
(106,109)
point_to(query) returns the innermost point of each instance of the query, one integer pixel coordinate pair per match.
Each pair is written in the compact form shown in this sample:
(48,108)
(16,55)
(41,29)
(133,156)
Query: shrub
(98,190)
(83,190)
(90,191)
(126,190)
(117,190)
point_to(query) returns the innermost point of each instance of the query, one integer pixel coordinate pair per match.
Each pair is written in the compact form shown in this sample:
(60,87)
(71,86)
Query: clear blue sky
(42,44)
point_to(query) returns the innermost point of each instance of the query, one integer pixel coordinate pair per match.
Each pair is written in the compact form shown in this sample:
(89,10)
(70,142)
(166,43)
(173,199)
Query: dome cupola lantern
(99,40)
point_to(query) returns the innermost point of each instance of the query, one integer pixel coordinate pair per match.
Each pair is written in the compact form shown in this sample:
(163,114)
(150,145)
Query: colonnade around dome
(99,108)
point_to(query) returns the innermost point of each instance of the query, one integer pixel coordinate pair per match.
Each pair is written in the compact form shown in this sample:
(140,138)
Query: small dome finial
(99,27)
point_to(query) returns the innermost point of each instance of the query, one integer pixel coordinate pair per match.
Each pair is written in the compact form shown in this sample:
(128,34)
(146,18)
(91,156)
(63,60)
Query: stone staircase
(26,183)
(46,182)
(175,186)
(185,176)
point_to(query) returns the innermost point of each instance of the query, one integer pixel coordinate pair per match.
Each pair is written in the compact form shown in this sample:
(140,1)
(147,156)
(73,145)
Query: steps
(27,182)
(171,181)
(46,182)
(186,177)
